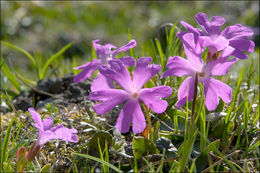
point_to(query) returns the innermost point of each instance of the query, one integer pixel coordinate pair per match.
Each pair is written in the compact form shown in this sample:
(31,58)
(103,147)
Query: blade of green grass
(105,168)
(5,144)
(235,94)
(132,53)
(160,168)
(29,81)
(51,59)
(11,77)
(159,48)
(27,54)
(99,160)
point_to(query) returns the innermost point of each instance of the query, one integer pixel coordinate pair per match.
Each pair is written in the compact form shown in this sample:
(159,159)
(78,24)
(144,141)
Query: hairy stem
(194,99)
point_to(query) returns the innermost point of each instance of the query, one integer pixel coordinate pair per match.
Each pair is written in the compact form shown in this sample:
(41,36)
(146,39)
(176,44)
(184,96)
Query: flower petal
(243,45)
(236,31)
(66,134)
(211,97)
(110,98)
(239,54)
(213,27)
(47,123)
(226,52)
(53,129)
(37,118)
(178,66)
(88,69)
(196,31)
(131,113)
(103,51)
(151,98)
(219,43)
(144,71)
(125,48)
(222,90)
(58,132)
(44,137)
(187,87)
(128,61)
(117,72)
(193,50)
(101,83)
(220,66)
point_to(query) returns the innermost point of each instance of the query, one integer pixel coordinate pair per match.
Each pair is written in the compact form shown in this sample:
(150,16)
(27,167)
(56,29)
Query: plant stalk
(194,99)
(149,121)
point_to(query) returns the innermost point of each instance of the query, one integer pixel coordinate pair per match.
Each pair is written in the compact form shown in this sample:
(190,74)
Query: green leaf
(187,148)
(202,161)
(235,94)
(142,145)
(132,53)
(46,168)
(74,64)
(159,48)
(205,54)
(101,138)
(7,167)
(27,54)
(25,80)
(99,160)
(5,145)
(55,56)
(155,131)
(10,76)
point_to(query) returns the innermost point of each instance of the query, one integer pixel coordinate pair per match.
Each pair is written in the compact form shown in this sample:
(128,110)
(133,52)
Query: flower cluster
(46,133)
(115,85)
(231,42)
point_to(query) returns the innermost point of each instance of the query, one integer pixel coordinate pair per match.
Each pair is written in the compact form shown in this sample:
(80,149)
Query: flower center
(212,54)
(202,74)
(135,95)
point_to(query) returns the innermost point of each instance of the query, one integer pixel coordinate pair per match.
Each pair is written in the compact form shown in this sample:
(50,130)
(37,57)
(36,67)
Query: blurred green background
(43,28)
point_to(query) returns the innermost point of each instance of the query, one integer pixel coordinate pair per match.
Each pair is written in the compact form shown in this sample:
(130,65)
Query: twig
(163,123)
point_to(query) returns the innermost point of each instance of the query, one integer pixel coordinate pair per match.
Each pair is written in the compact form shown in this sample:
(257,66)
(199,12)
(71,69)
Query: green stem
(189,142)
(149,121)
(194,99)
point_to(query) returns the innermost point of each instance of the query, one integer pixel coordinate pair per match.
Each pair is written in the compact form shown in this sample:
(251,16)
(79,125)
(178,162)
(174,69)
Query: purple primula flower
(104,53)
(194,65)
(234,36)
(47,132)
(131,93)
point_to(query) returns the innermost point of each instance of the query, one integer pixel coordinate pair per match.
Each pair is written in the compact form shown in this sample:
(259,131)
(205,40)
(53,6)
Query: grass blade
(99,160)
(27,54)
(11,77)
(239,81)
(4,148)
(159,48)
(55,56)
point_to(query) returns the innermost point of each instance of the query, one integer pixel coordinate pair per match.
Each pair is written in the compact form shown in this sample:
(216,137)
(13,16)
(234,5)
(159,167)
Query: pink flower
(177,66)
(235,36)
(104,53)
(47,132)
(131,93)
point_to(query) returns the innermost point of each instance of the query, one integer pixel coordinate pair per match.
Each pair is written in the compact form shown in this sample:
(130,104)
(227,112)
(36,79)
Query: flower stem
(194,99)
(149,121)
